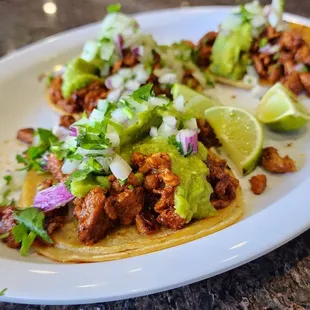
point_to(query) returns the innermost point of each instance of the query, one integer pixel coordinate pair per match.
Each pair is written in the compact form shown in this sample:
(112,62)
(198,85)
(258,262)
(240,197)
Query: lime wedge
(280,110)
(195,103)
(240,134)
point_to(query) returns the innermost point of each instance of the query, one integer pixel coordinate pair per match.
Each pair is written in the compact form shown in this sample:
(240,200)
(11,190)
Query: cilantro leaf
(20,233)
(3,292)
(33,220)
(114,8)
(122,182)
(143,93)
(173,141)
(7,179)
(5,199)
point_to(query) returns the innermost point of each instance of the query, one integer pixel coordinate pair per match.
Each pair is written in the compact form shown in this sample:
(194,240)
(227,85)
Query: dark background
(279,280)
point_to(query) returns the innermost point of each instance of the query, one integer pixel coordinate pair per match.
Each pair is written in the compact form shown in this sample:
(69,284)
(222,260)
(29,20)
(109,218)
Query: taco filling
(130,178)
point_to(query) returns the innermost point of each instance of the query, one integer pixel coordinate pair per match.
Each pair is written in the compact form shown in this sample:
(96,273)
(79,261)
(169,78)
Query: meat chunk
(117,187)
(93,224)
(258,184)
(274,73)
(293,83)
(204,51)
(273,162)
(208,38)
(54,167)
(129,59)
(66,120)
(171,219)
(259,66)
(25,135)
(45,184)
(156,161)
(272,33)
(126,205)
(7,222)
(291,40)
(303,54)
(207,135)
(55,219)
(224,185)
(305,80)
(146,223)
(84,99)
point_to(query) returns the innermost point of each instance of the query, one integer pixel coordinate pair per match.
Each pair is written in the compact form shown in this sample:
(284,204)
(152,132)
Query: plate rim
(230,239)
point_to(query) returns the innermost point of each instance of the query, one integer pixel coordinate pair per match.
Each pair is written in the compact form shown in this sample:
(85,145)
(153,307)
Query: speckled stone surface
(279,280)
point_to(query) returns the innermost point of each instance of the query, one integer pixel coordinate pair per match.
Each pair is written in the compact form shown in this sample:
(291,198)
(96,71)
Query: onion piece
(132,85)
(157,101)
(166,131)
(154,132)
(270,49)
(85,152)
(168,78)
(170,120)
(191,124)
(141,75)
(69,166)
(104,162)
(120,168)
(126,73)
(114,81)
(61,132)
(119,45)
(189,141)
(179,103)
(52,197)
(73,131)
(115,94)
(114,138)
(250,80)
(119,116)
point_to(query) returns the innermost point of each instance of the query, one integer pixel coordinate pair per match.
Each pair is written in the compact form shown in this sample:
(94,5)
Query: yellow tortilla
(125,241)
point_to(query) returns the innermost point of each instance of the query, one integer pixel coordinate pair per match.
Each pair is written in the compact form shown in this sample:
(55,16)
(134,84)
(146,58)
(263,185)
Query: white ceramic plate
(271,219)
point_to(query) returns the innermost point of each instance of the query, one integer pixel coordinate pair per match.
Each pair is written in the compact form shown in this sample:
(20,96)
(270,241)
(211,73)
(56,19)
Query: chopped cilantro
(48,80)
(173,141)
(143,93)
(245,14)
(32,158)
(7,179)
(114,8)
(130,186)
(263,42)
(276,56)
(30,225)
(3,292)
(5,199)
(3,236)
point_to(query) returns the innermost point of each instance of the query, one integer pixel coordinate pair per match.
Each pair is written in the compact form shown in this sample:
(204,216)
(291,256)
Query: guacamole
(79,73)
(230,52)
(192,196)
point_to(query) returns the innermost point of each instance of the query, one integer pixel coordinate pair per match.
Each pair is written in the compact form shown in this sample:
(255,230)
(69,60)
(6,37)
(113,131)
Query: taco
(255,46)
(131,178)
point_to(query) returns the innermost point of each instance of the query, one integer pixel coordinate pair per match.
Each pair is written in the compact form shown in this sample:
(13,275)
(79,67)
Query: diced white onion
(132,85)
(166,131)
(119,116)
(191,124)
(114,138)
(169,78)
(258,21)
(179,103)
(120,168)
(274,17)
(114,81)
(90,50)
(61,132)
(258,91)
(107,51)
(115,94)
(170,120)
(102,105)
(104,162)
(141,75)
(251,71)
(154,132)
(85,152)
(126,73)
(69,166)
(160,72)
(157,101)
(96,116)
(270,49)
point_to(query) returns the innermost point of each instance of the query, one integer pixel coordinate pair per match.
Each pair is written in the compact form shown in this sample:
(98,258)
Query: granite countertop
(278,280)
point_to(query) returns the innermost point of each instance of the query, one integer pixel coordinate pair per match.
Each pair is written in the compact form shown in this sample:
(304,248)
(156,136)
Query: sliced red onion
(179,103)
(73,131)
(114,138)
(189,141)
(137,51)
(119,45)
(154,132)
(69,166)
(52,197)
(191,124)
(120,168)
(115,94)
